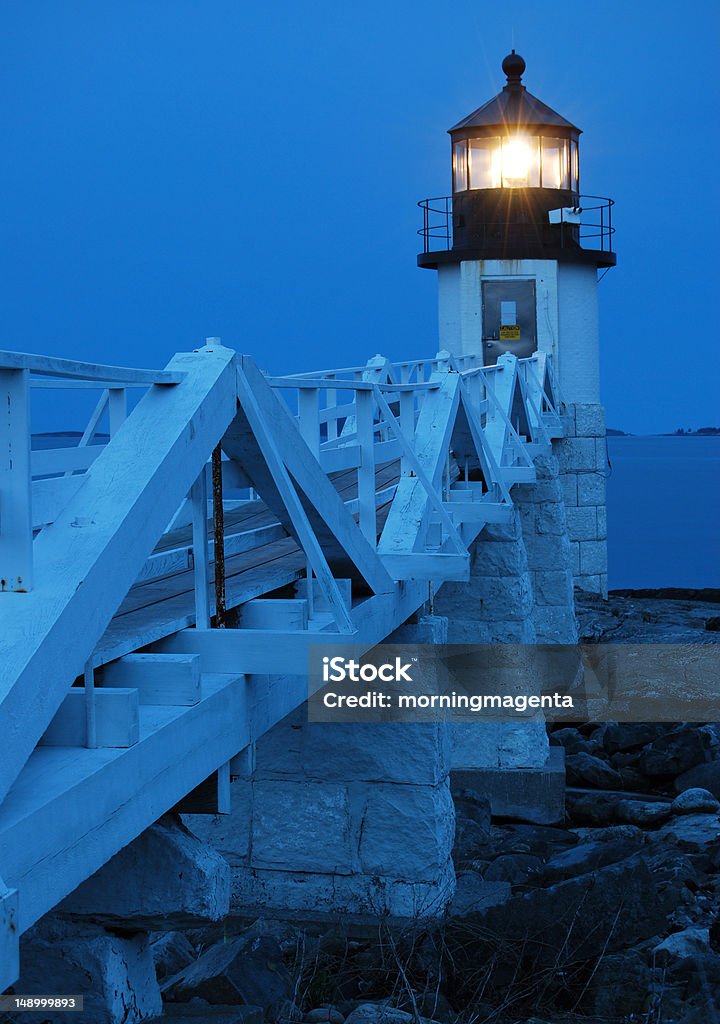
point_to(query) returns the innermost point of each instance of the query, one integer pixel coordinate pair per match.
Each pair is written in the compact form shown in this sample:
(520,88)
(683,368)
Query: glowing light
(516,160)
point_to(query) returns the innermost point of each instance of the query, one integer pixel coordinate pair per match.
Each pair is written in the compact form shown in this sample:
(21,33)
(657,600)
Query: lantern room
(516,187)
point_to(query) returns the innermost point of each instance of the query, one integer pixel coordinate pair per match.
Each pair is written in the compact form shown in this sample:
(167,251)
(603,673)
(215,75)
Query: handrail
(53,366)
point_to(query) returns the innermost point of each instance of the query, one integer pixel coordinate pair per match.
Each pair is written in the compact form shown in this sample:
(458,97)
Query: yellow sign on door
(510,332)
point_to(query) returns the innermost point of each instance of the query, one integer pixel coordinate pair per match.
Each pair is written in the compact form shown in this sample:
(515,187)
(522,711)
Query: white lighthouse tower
(517,250)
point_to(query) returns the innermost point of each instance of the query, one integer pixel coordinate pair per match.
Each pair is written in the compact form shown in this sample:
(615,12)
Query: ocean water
(663,498)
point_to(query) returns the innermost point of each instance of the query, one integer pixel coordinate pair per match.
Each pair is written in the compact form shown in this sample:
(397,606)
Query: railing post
(309,417)
(117,409)
(365,406)
(16,565)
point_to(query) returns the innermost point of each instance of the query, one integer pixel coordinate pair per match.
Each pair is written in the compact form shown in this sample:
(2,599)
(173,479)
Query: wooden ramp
(348,493)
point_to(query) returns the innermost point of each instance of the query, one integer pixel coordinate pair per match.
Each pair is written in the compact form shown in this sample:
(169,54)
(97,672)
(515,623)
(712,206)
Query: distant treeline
(681,432)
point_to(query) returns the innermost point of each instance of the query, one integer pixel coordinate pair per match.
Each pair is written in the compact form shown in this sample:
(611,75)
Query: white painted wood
(46,461)
(50,496)
(257,651)
(116,720)
(88,558)
(406,523)
(87,371)
(428,565)
(316,597)
(268,613)
(70,811)
(16,541)
(117,409)
(158,678)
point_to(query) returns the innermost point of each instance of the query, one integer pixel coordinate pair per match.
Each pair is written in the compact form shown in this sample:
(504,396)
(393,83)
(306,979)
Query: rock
(620,988)
(171,952)
(689,942)
(591,808)
(705,776)
(573,741)
(201,1012)
(587,770)
(578,860)
(674,753)
(514,868)
(577,919)
(538,840)
(473,893)
(382,1013)
(115,975)
(248,969)
(324,1013)
(694,801)
(622,736)
(712,625)
(691,832)
(600,835)
(167,874)
(644,813)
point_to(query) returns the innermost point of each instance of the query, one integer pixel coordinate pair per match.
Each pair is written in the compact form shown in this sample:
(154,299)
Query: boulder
(171,952)
(324,1015)
(515,868)
(382,1013)
(620,988)
(703,776)
(643,813)
(573,741)
(572,920)
(674,753)
(249,969)
(622,736)
(600,835)
(694,801)
(691,832)
(578,860)
(689,942)
(596,809)
(588,770)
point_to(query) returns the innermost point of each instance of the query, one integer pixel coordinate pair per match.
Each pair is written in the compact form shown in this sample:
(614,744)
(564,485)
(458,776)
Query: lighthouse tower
(517,250)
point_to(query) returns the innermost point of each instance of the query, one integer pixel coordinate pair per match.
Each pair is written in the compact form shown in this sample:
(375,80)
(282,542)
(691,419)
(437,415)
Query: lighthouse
(517,249)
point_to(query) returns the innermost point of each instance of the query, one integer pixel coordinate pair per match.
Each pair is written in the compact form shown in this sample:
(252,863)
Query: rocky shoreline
(614,916)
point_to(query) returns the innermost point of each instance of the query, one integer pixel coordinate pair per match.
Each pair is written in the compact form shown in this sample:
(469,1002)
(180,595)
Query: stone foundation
(582,455)
(352,819)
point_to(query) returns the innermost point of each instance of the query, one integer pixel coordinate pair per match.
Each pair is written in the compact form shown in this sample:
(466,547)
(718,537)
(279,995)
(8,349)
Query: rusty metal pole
(219,536)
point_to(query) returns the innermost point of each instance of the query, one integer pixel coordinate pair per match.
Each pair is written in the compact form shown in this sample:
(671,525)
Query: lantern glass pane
(574,167)
(520,161)
(460,166)
(484,163)
(555,163)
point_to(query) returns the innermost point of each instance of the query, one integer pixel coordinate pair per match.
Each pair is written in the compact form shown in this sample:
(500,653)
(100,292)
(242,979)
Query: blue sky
(177,169)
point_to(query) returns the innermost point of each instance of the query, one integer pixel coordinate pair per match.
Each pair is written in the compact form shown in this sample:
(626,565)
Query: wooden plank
(70,811)
(46,461)
(71,368)
(16,538)
(344,548)
(211,797)
(87,560)
(116,719)
(201,573)
(437,566)
(273,652)
(158,678)
(405,526)
(274,614)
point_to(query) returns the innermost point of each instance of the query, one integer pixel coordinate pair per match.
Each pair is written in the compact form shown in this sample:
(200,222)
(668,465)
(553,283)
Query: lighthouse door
(509,319)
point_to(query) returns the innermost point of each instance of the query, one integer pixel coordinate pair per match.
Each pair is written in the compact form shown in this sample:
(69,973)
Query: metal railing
(596,225)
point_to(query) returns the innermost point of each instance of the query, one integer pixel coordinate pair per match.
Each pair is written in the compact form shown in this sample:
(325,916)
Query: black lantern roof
(514,105)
